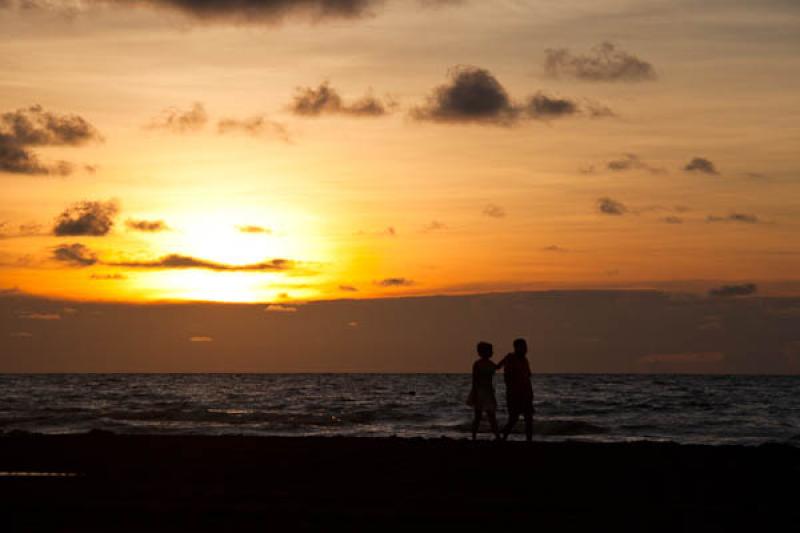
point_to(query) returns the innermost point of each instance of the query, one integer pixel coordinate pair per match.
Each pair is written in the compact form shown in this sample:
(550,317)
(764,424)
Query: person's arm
(501,363)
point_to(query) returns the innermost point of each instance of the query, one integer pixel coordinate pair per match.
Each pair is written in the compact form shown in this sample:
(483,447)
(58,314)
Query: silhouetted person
(519,391)
(481,396)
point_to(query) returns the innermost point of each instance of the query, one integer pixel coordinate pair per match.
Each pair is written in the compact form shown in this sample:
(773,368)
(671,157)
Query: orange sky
(391,148)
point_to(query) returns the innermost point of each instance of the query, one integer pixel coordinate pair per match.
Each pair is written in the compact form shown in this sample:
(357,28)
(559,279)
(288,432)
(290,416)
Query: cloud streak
(701,165)
(147,226)
(75,254)
(609,206)
(181,121)
(256,126)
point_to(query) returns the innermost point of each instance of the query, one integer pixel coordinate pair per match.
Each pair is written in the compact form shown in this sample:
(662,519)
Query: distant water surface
(686,409)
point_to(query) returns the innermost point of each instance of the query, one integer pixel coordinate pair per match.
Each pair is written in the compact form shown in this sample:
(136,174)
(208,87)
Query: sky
(291,151)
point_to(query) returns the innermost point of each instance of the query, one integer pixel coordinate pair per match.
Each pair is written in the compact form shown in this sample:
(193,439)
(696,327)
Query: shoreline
(203,483)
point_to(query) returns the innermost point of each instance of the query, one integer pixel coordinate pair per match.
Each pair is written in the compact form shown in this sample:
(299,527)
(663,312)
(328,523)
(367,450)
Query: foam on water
(686,409)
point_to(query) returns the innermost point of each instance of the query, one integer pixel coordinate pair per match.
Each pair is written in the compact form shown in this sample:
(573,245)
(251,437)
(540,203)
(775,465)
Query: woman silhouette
(481,396)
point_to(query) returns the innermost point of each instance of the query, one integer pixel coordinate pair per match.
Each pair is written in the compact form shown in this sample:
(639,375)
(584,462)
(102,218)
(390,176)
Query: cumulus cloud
(494,211)
(472,95)
(148,226)
(25,128)
(322,100)
(394,282)
(604,62)
(543,107)
(87,218)
(745,289)
(177,261)
(701,165)
(253,229)
(255,126)
(743,218)
(181,121)
(632,162)
(75,254)
(609,206)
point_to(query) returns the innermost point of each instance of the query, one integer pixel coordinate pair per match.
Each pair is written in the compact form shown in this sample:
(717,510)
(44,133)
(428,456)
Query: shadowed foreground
(168,483)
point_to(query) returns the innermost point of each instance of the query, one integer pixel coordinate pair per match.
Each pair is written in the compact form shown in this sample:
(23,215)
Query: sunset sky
(276,150)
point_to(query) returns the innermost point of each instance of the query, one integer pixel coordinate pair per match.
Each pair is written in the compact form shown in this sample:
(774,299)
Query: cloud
(75,254)
(603,63)
(394,282)
(472,95)
(609,206)
(87,218)
(494,211)
(177,261)
(107,277)
(701,165)
(25,128)
(543,107)
(178,121)
(279,308)
(254,126)
(21,230)
(672,220)
(632,162)
(348,288)
(745,289)
(554,248)
(32,315)
(434,225)
(253,229)
(743,218)
(325,100)
(201,338)
(149,226)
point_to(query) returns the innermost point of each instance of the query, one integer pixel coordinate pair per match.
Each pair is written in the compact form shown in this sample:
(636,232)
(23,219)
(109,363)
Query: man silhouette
(519,391)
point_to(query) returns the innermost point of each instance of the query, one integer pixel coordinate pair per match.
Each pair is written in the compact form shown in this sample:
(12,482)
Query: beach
(101,481)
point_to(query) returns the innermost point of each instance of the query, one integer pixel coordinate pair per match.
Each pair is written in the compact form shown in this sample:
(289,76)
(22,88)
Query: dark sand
(163,483)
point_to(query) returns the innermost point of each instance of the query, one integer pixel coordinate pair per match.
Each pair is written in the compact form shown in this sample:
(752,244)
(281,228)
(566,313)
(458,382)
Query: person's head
(520,346)
(485,350)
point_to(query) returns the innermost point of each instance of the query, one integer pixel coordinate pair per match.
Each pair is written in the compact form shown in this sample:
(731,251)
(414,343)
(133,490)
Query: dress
(482,394)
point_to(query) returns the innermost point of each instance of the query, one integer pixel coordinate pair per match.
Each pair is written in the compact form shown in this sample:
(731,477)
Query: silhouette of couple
(519,391)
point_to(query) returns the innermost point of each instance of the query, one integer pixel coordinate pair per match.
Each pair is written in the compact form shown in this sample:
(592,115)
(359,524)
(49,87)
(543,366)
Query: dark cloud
(472,95)
(87,218)
(253,229)
(494,211)
(672,220)
(744,218)
(255,126)
(394,282)
(322,100)
(75,254)
(150,226)
(609,206)
(701,165)
(266,11)
(181,121)
(745,289)
(632,162)
(604,63)
(543,107)
(348,288)
(25,128)
(177,261)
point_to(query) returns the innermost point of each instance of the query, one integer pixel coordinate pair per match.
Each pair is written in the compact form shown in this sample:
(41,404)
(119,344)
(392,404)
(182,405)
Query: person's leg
(529,426)
(512,420)
(476,422)
(493,423)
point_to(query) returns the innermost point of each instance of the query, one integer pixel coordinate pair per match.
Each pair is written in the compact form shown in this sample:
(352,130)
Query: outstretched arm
(501,363)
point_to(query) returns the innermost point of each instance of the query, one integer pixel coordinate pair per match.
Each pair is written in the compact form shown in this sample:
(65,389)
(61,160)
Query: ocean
(748,410)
